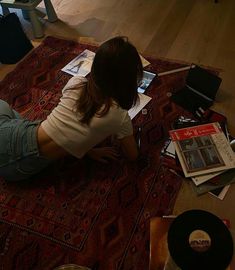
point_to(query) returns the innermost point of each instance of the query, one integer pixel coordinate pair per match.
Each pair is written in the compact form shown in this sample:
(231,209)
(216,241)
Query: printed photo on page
(81,65)
(145,82)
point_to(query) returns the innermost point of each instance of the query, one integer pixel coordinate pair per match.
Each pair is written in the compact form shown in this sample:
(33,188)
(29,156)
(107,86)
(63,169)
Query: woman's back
(64,128)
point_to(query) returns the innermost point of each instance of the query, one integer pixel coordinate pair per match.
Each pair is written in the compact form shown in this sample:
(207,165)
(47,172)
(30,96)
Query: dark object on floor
(14,43)
(199,91)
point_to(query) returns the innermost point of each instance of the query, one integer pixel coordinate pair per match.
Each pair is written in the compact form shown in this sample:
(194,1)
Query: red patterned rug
(79,211)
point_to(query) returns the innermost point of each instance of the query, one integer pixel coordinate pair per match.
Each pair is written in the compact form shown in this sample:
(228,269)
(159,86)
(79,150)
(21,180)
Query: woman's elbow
(129,148)
(133,156)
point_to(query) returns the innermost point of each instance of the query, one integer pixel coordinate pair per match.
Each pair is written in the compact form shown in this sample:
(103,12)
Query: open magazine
(143,100)
(81,64)
(202,149)
(146,80)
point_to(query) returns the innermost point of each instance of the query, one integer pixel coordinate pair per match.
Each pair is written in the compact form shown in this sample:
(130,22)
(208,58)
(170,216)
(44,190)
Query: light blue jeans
(19,155)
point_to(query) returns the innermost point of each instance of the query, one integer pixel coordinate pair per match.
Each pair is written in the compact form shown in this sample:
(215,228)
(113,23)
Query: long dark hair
(115,74)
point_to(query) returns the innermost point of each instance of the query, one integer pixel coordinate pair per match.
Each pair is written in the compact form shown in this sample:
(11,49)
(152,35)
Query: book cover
(220,192)
(159,253)
(216,182)
(202,149)
(200,179)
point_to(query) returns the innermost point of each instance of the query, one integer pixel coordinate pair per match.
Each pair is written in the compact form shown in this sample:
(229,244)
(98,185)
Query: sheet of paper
(143,100)
(144,61)
(171,149)
(80,65)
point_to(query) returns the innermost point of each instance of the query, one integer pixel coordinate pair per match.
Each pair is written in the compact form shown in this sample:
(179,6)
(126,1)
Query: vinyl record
(198,239)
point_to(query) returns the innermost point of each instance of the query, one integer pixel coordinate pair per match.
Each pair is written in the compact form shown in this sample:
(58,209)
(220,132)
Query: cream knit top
(64,128)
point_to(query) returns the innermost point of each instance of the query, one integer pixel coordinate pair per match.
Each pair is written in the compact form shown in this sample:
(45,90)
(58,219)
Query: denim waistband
(24,138)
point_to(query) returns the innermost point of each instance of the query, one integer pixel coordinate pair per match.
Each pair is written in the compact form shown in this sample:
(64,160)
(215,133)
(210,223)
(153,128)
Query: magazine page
(80,65)
(146,80)
(202,149)
(143,100)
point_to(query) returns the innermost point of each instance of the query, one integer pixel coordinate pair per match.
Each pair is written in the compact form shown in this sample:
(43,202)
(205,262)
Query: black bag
(14,44)
(199,91)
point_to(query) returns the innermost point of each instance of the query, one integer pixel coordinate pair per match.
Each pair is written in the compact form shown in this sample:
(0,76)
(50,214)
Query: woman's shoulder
(75,83)
(117,111)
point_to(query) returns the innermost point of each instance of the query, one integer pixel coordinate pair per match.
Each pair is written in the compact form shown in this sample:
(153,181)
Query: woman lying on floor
(89,111)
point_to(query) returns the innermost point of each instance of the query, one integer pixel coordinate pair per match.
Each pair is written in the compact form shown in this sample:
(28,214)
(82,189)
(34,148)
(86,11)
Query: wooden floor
(197,31)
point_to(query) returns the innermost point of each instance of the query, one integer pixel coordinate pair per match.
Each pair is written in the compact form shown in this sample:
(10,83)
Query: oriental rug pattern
(80,211)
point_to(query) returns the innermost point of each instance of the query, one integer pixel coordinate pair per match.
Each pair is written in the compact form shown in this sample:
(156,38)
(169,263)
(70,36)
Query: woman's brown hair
(115,74)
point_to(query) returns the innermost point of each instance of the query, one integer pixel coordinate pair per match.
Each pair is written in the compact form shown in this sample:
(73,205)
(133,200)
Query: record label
(198,239)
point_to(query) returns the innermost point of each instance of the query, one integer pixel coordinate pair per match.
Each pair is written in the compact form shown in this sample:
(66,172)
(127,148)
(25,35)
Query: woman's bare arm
(129,147)
(103,154)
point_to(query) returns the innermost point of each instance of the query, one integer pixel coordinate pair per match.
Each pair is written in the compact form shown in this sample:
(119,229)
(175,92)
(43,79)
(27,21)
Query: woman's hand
(103,154)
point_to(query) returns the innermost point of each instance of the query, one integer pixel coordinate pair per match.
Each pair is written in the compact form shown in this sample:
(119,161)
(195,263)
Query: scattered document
(80,65)
(143,100)
(145,62)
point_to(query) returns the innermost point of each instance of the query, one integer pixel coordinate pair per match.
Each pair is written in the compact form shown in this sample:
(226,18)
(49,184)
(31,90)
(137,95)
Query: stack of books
(205,156)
